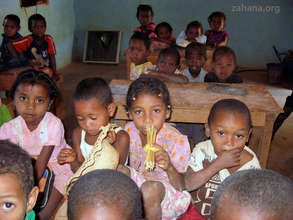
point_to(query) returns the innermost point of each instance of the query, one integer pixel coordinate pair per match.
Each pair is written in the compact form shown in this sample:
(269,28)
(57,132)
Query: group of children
(181,185)
(36,50)
(149,37)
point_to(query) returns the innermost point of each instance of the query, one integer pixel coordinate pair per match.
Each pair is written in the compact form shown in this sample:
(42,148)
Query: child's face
(192,33)
(13,202)
(217,24)
(145,17)
(137,51)
(105,212)
(91,114)
(228,131)
(147,110)
(224,66)
(194,62)
(31,102)
(228,209)
(10,27)
(164,33)
(167,64)
(38,28)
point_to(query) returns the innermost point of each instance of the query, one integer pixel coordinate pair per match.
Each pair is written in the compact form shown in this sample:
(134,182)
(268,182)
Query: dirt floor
(281,155)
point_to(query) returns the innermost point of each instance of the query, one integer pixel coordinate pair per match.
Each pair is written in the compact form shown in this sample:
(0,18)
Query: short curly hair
(105,187)
(94,87)
(144,7)
(36,17)
(218,14)
(258,189)
(15,160)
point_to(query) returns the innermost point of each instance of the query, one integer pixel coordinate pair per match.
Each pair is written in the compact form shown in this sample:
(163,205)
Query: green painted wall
(60,19)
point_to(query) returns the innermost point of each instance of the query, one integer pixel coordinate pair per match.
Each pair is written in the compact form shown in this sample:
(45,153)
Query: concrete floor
(281,155)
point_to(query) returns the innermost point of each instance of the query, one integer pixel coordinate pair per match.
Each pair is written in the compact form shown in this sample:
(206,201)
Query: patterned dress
(175,203)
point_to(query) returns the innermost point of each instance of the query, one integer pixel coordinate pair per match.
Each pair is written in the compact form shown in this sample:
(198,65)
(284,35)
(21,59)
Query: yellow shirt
(137,70)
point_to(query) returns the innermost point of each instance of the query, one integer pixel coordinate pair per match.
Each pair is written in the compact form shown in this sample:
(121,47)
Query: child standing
(139,50)
(229,127)
(167,67)
(148,104)
(224,62)
(104,194)
(164,37)
(8,60)
(144,15)
(39,47)
(195,54)
(94,107)
(192,33)
(37,130)
(17,192)
(216,36)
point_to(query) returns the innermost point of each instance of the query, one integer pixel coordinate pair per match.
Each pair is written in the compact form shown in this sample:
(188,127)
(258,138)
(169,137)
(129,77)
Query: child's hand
(229,158)
(66,155)
(162,157)
(111,137)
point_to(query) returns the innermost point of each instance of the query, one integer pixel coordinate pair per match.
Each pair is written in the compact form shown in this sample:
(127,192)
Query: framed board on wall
(102,46)
(29,3)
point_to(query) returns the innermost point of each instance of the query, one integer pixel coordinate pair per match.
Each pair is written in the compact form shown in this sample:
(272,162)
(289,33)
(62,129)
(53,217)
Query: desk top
(202,96)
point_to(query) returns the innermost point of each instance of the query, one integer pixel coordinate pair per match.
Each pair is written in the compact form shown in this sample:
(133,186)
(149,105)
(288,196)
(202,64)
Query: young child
(17,192)
(224,63)
(39,47)
(216,36)
(192,33)
(11,25)
(139,50)
(94,107)
(144,15)
(104,194)
(229,127)
(254,194)
(37,130)
(164,37)
(195,55)
(167,67)
(148,105)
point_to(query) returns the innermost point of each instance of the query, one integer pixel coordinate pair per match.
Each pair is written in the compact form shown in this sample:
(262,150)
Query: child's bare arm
(42,161)
(76,137)
(194,180)
(169,77)
(56,76)
(12,50)
(223,43)
(163,160)
(122,146)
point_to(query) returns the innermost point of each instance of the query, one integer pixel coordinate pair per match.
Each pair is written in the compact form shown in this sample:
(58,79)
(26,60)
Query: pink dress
(50,132)
(175,202)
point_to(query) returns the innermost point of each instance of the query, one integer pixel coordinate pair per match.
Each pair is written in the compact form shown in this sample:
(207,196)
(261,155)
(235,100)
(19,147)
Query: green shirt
(30,215)
(4,114)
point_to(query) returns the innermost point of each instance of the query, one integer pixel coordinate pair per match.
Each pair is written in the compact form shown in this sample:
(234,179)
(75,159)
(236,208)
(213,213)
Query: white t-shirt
(181,39)
(199,78)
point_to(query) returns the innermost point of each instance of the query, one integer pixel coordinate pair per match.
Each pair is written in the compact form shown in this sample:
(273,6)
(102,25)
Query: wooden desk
(191,103)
